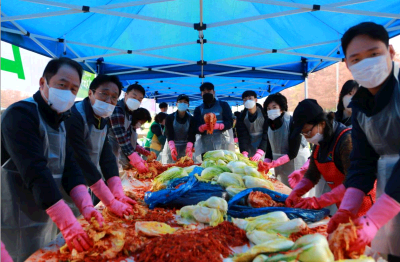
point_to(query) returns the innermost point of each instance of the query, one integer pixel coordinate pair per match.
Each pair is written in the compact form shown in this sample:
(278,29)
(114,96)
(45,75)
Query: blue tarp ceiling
(260,45)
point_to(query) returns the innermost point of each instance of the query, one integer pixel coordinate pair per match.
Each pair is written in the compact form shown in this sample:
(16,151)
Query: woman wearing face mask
(181,132)
(330,158)
(285,152)
(120,129)
(343,113)
(139,117)
(252,128)
(155,139)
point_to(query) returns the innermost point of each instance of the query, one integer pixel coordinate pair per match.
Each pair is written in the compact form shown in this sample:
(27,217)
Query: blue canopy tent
(172,46)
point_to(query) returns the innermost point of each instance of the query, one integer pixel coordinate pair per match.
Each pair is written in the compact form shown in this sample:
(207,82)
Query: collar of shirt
(124,107)
(99,123)
(49,115)
(370,104)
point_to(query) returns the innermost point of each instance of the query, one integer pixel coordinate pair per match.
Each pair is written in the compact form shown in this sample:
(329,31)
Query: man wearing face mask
(330,158)
(120,131)
(181,131)
(220,138)
(285,152)
(252,128)
(36,162)
(87,135)
(376,140)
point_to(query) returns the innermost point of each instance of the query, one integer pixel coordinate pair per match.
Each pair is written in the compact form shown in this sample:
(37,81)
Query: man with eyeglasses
(87,135)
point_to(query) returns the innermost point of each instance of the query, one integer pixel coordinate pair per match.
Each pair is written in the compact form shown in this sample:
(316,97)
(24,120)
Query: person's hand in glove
(83,202)
(236,140)
(258,155)
(203,128)
(142,151)
(219,126)
(104,194)
(334,196)
(245,154)
(385,209)
(5,257)
(280,161)
(174,153)
(295,196)
(136,161)
(189,149)
(349,207)
(70,228)
(263,166)
(115,185)
(297,176)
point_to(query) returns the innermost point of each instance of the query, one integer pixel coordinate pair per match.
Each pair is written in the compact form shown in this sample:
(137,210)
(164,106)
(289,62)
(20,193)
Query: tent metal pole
(80,59)
(164,47)
(281,72)
(172,66)
(230,72)
(305,88)
(337,84)
(331,52)
(310,55)
(126,72)
(393,28)
(239,57)
(266,83)
(72,50)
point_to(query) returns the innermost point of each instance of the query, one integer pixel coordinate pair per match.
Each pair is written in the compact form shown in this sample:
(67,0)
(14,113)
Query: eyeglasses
(104,96)
(309,132)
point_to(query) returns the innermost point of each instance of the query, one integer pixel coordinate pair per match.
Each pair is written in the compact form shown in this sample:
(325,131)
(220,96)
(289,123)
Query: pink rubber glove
(115,185)
(203,128)
(295,196)
(136,161)
(349,207)
(189,149)
(297,176)
(104,194)
(280,161)
(334,196)
(83,202)
(219,126)
(258,155)
(236,140)
(245,154)
(142,151)
(5,257)
(377,216)
(174,153)
(70,228)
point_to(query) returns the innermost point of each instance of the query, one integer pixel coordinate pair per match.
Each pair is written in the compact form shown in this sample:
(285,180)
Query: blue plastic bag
(240,211)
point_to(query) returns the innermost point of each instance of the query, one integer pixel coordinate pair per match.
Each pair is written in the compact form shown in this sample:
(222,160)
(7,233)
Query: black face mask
(208,98)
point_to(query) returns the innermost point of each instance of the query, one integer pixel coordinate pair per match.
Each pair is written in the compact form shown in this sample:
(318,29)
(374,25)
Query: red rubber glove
(83,202)
(142,151)
(297,176)
(70,228)
(104,194)
(189,149)
(115,185)
(334,196)
(5,257)
(385,209)
(136,161)
(203,128)
(295,196)
(245,154)
(219,126)
(172,147)
(258,155)
(349,207)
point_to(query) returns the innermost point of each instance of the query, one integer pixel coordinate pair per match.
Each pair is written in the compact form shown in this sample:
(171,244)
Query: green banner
(87,78)
(14,66)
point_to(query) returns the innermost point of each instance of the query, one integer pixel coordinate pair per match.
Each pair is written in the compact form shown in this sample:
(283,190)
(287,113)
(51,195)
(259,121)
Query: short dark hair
(160,117)
(370,29)
(183,97)
(102,79)
(136,87)
(277,98)
(56,63)
(349,86)
(249,93)
(206,85)
(140,114)
(162,105)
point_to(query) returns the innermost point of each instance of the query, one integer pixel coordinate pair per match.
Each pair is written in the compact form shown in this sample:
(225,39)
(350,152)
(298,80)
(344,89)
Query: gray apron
(218,139)
(382,131)
(122,160)
(181,132)
(25,227)
(255,130)
(279,141)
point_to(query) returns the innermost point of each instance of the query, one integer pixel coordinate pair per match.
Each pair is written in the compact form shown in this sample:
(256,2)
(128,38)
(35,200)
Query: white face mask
(103,109)
(274,113)
(60,100)
(249,104)
(182,107)
(132,104)
(371,72)
(346,102)
(318,137)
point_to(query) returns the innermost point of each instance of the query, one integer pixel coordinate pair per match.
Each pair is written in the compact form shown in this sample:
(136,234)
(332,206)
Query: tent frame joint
(129,51)
(199,27)
(316,7)
(201,63)
(201,76)
(274,50)
(85,9)
(204,41)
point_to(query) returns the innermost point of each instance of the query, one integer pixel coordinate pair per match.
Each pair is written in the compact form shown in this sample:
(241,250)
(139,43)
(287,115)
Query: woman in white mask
(343,113)
(155,139)
(285,152)
(330,158)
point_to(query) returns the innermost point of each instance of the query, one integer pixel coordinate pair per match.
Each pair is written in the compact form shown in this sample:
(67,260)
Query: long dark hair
(349,86)
(160,117)
(328,119)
